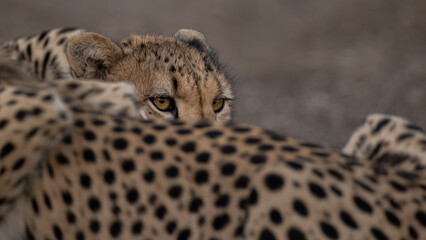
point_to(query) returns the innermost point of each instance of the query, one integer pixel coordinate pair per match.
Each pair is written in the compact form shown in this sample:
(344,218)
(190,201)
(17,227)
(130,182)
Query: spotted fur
(115,177)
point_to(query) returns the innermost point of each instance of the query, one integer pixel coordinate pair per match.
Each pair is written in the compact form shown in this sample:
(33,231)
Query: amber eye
(218,104)
(163,103)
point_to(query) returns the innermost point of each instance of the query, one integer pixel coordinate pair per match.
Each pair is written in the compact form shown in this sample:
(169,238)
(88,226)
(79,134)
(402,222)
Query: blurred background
(311,69)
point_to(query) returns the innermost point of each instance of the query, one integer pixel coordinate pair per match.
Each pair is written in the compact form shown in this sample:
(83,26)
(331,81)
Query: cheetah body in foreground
(71,170)
(176,77)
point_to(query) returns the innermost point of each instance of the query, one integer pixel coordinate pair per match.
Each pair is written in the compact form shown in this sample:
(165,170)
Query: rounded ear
(193,38)
(90,55)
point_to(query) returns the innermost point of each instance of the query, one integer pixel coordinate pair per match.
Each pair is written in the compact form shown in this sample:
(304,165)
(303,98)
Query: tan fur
(152,63)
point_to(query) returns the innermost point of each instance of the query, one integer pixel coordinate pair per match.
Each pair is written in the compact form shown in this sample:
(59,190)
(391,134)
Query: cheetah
(70,170)
(176,77)
(389,141)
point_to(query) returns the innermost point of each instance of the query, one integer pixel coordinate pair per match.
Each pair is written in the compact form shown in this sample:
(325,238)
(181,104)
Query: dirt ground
(311,69)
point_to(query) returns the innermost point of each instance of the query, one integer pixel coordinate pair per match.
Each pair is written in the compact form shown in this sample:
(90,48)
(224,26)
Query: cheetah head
(176,77)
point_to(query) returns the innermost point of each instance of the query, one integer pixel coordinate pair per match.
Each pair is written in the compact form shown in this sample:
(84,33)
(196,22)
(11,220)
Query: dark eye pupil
(162,100)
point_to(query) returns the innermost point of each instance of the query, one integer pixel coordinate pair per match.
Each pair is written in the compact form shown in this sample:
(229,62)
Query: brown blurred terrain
(311,69)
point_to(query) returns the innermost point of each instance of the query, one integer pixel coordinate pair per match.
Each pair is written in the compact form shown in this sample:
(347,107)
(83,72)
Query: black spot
(120,144)
(189,147)
(364,186)
(70,217)
(311,145)
(47,201)
(171,226)
(157,156)
(348,220)
(44,66)
(29,235)
(195,204)
(336,190)
(115,229)
(421,218)
(289,149)
(94,225)
(171,141)
(258,159)
(128,166)
(6,149)
(242,182)
(220,221)
(67,198)
(175,83)
(317,190)
(380,125)
(18,164)
(137,227)
(58,232)
(295,165)
(85,181)
(375,150)
(378,234)
(336,174)
(149,176)
(79,236)
(329,230)
(175,192)
(94,204)
(202,124)
(252,140)
(160,212)
(172,69)
(184,131)
(266,235)
(300,208)
(404,136)
(413,233)
(295,234)
(228,149)
(228,169)
(67,139)
(397,186)
(201,177)
(29,51)
(149,139)
(109,176)
(275,216)
(3,123)
(172,172)
(266,147)
(222,201)
(65,30)
(274,181)
(414,127)
(213,134)
(392,218)
(252,199)
(363,205)
(89,155)
(35,206)
(184,234)
(203,157)
(132,195)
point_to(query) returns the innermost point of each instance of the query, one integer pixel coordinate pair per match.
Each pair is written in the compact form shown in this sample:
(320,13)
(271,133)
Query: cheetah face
(176,77)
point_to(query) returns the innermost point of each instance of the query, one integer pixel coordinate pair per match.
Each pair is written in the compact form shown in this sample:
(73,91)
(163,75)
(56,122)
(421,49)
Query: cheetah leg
(389,141)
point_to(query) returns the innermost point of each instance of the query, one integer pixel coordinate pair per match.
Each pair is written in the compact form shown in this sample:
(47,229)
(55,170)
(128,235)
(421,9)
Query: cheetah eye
(163,103)
(218,105)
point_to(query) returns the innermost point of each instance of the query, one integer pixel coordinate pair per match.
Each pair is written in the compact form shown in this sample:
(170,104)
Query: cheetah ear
(90,55)
(193,38)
